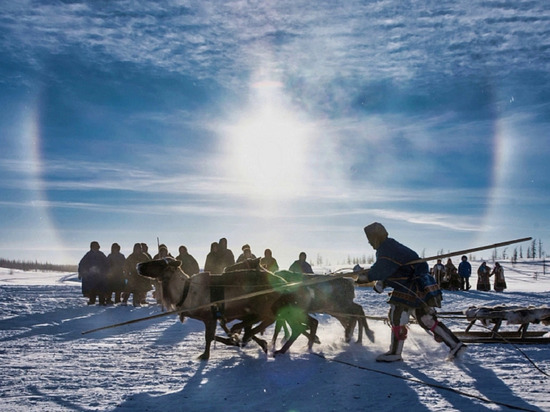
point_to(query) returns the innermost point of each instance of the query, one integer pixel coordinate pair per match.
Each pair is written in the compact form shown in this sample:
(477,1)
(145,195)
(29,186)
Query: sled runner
(532,338)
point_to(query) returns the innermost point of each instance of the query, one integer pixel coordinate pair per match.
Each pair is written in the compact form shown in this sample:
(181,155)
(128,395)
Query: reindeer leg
(360,333)
(227,341)
(261,342)
(297,329)
(363,325)
(287,332)
(237,328)
(223,325)
(368,331)
(278,326)
(209,336)
(309,336)
(250,332)
(313,324)
(233,338)
(349,324)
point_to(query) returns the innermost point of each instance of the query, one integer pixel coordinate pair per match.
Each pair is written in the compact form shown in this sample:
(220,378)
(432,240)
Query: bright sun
(268,147)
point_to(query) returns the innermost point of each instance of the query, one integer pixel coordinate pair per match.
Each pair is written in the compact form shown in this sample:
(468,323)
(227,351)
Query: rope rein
(515,347)
(421,382)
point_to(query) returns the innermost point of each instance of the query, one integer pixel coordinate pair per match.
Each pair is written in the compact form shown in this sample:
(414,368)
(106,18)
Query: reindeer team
(248,293)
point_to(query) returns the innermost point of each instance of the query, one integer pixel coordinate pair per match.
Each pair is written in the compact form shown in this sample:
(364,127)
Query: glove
(379,286)
(363,278)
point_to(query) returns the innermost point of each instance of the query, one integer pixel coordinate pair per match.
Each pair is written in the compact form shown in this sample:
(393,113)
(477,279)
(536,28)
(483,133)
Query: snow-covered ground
(48,364)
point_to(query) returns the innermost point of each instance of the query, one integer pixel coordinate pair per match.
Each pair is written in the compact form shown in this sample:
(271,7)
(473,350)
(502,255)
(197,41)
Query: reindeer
(319,294)
(290,308)
(332,296)
(252,296)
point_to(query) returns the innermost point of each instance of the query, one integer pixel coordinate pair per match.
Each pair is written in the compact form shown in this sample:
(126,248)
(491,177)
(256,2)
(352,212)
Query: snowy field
(47,364)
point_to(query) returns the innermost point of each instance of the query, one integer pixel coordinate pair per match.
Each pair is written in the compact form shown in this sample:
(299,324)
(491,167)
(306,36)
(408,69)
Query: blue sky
(289,125)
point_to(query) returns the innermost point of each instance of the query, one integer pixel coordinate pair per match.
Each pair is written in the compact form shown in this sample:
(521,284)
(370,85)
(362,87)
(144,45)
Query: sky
(287,125)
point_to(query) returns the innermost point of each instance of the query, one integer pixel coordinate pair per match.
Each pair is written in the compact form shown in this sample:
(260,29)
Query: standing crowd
(113,278)
(449,277)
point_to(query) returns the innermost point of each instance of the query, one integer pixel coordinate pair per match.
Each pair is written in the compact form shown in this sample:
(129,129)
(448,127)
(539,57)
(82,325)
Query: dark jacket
(270,263)
(242,257)
(300,267)
(116,281)
(225,258)
(93,269)
(189,264)
(413,285)
(136,283)
(465,269)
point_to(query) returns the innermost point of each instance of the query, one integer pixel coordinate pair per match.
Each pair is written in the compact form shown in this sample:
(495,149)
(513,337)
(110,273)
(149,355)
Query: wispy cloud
(446,221)
(226,37)
(165,209)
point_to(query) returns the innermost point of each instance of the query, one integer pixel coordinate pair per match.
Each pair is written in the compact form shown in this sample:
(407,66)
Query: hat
(376,233)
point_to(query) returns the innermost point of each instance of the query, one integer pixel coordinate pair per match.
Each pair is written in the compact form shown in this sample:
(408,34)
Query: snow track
(47,364)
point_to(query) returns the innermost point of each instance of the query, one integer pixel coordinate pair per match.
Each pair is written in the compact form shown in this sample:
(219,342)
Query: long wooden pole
(466,251)
(450,254)
(306,283)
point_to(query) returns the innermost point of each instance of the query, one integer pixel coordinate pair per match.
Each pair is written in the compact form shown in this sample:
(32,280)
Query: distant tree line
(359,260)
(28,265)
(534,251)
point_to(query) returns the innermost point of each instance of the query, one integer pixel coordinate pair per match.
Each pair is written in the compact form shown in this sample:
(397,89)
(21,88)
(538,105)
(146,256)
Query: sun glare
(268,147)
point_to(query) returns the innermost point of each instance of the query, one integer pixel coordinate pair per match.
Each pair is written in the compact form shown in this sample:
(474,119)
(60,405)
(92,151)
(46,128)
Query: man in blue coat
(464,271)
(415,292)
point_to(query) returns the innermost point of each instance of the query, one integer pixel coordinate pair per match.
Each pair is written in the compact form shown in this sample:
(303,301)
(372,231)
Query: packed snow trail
(47,364)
